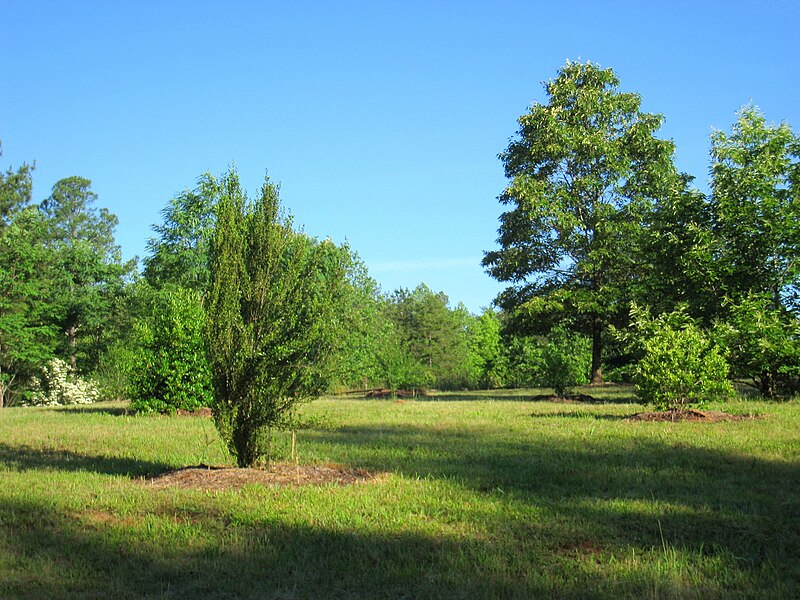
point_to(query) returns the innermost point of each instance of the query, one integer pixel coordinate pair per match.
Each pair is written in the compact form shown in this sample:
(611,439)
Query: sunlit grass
(485,494)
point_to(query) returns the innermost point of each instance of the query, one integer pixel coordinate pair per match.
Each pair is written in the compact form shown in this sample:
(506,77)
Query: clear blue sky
(381,120)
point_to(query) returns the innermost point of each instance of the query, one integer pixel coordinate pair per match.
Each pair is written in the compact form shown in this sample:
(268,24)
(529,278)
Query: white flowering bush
(60,385)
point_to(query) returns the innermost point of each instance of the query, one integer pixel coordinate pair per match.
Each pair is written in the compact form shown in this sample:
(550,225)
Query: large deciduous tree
(584,170)
(272,314)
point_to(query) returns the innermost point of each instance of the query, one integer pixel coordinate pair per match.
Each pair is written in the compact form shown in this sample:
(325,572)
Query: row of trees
(63,285)
(600,220)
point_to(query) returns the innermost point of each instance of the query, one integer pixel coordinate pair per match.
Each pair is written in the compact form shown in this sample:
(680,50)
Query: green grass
(486,495)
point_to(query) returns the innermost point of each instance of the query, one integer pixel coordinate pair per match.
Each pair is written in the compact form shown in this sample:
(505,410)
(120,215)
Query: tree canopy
(584,170)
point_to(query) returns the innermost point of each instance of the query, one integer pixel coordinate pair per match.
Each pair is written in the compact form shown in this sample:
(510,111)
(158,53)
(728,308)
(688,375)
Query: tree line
(605,237)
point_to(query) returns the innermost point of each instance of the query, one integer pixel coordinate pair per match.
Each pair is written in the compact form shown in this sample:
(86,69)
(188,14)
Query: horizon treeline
(728,263)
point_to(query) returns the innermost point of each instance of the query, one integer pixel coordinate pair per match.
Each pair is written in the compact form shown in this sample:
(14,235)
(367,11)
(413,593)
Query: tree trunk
(72,337)
(597,351)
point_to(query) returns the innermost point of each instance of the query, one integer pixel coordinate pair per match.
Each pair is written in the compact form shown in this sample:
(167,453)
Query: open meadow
(476,495)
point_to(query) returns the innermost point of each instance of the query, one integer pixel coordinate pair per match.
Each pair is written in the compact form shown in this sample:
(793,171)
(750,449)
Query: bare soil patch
(707,416)
(200,412)
(204,477)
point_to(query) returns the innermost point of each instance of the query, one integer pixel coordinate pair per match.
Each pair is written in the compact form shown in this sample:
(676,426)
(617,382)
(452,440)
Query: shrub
(566,361)
(172,371)
(680,366)
(273,307)
(58,385)
(764,345)
(524,361)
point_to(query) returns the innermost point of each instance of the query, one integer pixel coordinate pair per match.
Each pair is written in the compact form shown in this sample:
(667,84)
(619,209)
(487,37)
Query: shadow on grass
(95,409)
(579,414)
(26,458)
(92,556)
(632,490)
(616,394)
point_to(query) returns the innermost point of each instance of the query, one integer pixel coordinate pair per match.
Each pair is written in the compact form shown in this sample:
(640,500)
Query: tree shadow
(579,414)
(116,411)
(592,395)
(90,554)
(636,491)
(27,458)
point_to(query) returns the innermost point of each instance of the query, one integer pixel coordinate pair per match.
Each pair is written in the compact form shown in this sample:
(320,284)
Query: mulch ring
(200,412)
(691,414)
(203,477)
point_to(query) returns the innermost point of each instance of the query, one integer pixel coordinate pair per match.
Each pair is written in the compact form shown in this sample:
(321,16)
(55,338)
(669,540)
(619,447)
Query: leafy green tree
(755,181)
(16,186)
(680,365)
(584,173)
(763,344)
(487,358)
(433,334)
(172,370)
(679,251)
(179,253)
(272,313)
(357,356)
(26,340)
(524,360)
(87,269)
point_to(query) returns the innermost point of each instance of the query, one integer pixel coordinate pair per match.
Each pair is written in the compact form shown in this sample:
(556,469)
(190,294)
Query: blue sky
(381,120)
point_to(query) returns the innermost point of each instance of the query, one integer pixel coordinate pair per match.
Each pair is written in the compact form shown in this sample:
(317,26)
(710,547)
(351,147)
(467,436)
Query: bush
(524,361)
(173,371)
(59,385)
(680,366)
(566,361)
(764,345)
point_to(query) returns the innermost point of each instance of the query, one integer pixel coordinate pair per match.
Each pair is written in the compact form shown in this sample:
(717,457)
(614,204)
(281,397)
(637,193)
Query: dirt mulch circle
(203,477)
(706,416)
(200,412)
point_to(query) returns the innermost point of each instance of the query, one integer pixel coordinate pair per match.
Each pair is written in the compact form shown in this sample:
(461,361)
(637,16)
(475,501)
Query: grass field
(485,495)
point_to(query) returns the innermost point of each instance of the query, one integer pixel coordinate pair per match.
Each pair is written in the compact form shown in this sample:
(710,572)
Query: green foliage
(565,361)
(179,255)
(171,370)
(434,335)
(763,344)
(680,366)
(27,339)
(524,360)
(86,274)
(584,171)
(755,177)
(487,359)
(273,307)
(680,250)
(367,346)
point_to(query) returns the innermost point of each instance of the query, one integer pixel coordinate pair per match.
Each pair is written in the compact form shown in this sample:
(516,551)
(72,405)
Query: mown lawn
(485,495)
